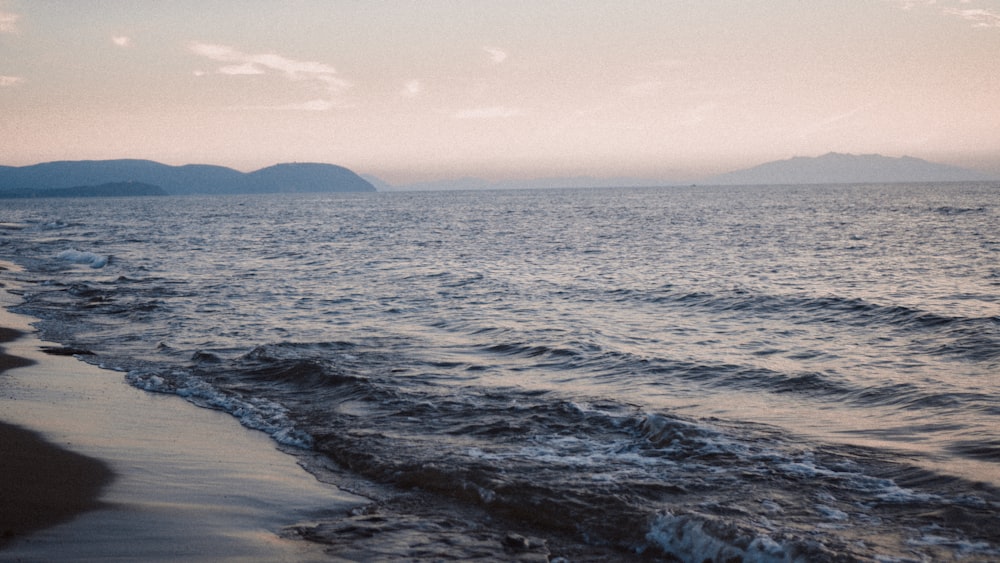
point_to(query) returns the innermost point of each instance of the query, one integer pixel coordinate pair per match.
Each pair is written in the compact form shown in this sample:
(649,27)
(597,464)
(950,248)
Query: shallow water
(765,372)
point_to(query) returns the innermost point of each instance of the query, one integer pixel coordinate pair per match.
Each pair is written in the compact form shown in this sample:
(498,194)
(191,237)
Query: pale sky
(423,90)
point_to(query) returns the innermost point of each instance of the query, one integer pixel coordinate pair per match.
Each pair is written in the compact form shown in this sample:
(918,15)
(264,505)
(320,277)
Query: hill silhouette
(837,168)
(182,180)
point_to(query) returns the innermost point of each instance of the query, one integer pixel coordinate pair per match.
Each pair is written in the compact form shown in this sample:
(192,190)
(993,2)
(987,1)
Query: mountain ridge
(209,179)
(188,179)
(843,168)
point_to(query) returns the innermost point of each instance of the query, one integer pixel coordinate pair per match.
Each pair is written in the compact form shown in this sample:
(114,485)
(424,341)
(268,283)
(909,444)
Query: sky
(413,91)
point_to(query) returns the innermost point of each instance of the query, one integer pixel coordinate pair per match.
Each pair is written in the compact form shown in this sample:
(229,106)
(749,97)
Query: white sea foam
(692,538)
(881,488)
(87,258)
(257,413)
(601,460)
(961,546)
(832,513)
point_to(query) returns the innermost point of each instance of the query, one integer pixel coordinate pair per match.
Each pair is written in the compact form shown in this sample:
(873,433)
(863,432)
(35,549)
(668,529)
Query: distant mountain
(836,168)
(114,189)
(306,177)
(183,180)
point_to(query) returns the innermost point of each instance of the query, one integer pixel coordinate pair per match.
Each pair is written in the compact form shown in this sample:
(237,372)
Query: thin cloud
(495,112)
(909,4)
(412,89)
(244,69)
(498,56)
(241,63)
(833,122)
(312,105)
(6,81)
(978,17)
(8,22)
(122,41)
(238,63)
(835,119)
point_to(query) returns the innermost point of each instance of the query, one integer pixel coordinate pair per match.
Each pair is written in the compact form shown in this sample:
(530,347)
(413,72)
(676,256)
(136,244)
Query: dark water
(757,374)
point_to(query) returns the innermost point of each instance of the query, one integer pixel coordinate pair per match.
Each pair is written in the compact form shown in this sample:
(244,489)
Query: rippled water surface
(767,373)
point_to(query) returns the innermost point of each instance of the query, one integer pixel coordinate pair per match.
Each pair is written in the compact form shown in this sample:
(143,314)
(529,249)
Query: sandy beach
(93,469)
(40,483)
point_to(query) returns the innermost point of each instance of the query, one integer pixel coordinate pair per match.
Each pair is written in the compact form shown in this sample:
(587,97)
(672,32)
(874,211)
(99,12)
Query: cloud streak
(245,69)
(498,56)
(910,4)
(412,89)
(833,122)
(978,17)
(6,81)
(238,63)
(122,41)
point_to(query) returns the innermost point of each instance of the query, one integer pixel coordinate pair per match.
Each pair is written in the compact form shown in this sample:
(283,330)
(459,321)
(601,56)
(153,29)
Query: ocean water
(782,373)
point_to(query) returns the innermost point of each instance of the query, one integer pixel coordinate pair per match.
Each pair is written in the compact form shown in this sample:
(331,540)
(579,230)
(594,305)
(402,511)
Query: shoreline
(93,468)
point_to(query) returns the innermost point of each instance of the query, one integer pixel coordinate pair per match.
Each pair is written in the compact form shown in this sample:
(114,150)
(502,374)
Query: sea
(744,373)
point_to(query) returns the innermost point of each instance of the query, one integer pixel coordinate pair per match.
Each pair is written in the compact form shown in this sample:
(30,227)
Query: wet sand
(40,483)
(93,469)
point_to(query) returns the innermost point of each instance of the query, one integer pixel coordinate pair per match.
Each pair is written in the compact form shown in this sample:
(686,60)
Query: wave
(531,351)
(307,368)
(828,386)
(257,413)
(607,472)
(973,338)
(800,308)
(949,210)
(700,538)
(87,258)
